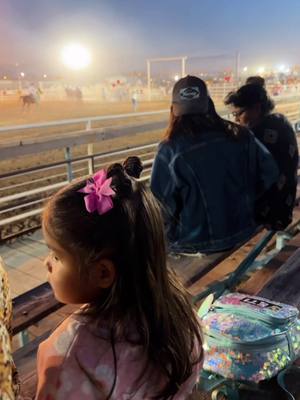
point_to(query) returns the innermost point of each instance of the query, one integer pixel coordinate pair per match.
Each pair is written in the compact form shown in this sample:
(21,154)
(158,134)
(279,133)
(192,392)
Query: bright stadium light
(245,69)
(76,57)
(22,74)
(176,78)
(261,70)
(281,68)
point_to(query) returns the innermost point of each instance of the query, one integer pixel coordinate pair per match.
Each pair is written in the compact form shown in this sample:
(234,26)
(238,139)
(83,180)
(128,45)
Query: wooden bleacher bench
(33,306)
(40,306)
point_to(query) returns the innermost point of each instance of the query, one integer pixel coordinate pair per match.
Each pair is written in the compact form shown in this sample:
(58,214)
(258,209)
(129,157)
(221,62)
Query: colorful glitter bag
(248,338)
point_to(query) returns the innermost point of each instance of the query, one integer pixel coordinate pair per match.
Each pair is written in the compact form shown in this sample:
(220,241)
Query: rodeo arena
(231,240)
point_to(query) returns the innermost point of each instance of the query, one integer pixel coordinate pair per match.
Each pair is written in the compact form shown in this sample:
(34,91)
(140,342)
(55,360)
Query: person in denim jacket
(207,174)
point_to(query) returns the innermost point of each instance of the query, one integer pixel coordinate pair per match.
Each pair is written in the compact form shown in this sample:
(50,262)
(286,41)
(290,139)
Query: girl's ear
(102,274)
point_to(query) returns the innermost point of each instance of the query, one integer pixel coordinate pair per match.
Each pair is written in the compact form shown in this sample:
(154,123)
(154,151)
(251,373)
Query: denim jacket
(208,184)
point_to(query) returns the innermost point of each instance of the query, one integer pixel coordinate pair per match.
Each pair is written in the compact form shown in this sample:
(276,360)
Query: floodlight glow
(281,68)
(176,78)
(245,69)
(76,57)
(22,74)
(261,70)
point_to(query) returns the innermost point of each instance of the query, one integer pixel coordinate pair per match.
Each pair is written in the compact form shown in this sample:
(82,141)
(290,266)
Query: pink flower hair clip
(99,193)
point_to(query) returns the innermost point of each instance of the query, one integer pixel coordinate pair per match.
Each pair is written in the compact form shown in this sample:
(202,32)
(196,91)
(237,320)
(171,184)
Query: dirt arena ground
(11,112)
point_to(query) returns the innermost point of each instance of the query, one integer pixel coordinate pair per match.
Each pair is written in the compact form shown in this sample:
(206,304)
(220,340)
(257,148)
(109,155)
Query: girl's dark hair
(195,124)
(146,294)
(248,96)
(133,166)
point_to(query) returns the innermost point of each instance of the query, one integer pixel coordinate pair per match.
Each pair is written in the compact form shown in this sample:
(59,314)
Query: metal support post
(91,159)
(183,65)
(149,79)
(68,157)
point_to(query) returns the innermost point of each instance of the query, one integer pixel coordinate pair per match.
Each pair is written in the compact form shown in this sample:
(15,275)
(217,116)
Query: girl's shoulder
(62,338)
(75,331)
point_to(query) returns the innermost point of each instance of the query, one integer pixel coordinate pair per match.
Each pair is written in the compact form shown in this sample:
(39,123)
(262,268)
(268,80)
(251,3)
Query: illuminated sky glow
(123,33)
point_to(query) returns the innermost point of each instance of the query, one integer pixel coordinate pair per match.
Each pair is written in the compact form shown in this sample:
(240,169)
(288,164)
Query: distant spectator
(9,387)
(78,93)
(134,101)
(256,80)
(252,107)
(207,174)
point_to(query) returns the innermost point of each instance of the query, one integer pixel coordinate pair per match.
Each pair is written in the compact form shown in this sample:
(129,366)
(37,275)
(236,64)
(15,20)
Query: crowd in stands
(214,183)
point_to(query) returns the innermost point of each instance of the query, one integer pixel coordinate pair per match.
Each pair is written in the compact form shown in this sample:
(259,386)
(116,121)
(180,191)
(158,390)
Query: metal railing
(22,204)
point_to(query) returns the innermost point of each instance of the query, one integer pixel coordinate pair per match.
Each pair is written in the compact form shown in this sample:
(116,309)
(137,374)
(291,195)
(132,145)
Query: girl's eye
(54,256)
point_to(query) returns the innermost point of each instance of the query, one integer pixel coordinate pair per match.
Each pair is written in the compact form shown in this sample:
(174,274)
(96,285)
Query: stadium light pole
(237,66)
(163,59)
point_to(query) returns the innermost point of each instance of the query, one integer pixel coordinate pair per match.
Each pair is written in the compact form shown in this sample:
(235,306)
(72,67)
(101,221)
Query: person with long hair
(137,335)
(207,174)
(253,108)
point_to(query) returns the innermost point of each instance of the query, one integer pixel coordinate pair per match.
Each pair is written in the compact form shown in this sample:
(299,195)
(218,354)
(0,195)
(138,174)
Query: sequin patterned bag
(248,338)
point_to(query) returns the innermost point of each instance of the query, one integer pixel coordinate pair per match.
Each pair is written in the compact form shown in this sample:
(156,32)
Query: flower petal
(91,202)
(89,188)
(105,189)
(100,177)
(104,205)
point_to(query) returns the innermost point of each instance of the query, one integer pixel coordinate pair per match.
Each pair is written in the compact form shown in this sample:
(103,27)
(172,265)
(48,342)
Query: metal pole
(91,160)
(183,63)
(68,157)
(237,67)
(149,79)
(90,150)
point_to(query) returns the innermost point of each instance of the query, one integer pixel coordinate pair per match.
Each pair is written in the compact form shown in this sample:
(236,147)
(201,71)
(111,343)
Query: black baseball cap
(190,96)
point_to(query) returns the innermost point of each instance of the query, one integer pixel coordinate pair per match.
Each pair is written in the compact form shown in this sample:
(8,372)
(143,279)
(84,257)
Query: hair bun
(121,183)
(133,166)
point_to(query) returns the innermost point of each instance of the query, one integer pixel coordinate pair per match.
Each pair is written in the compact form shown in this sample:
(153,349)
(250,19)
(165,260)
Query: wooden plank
(285,284)
(226,267)
(260,278)
(191,268)
(32,306)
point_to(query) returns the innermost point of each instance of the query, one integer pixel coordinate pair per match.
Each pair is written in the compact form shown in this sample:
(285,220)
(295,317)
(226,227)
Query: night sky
(123,33)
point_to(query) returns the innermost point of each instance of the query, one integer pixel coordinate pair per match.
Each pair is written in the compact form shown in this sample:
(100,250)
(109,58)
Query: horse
(28,99)
(74,93)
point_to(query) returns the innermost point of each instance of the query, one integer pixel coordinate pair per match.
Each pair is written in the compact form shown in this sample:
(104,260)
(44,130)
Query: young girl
(137,336)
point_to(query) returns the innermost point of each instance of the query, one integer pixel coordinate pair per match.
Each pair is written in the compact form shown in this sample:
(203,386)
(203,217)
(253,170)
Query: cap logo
(189,93)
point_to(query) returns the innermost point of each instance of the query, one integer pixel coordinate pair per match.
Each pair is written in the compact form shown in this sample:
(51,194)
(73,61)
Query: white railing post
(91,159)
(88,126)
(90,150)
(68,157)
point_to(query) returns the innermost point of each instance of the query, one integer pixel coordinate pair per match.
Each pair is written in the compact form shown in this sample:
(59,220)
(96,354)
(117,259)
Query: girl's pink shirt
(76,363)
